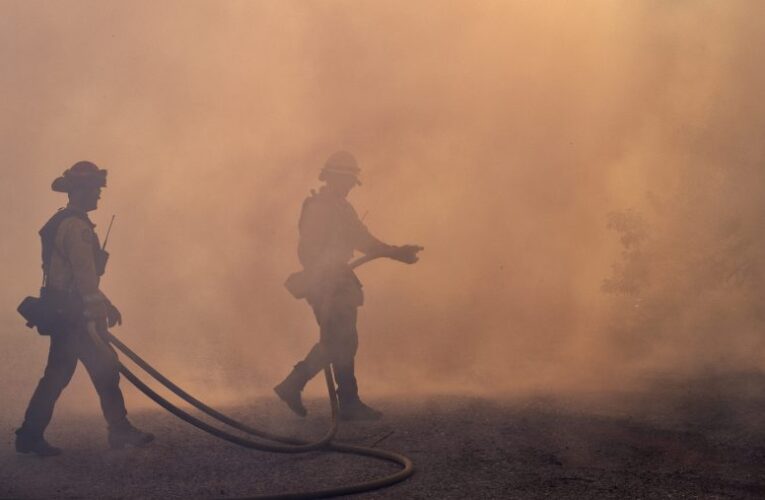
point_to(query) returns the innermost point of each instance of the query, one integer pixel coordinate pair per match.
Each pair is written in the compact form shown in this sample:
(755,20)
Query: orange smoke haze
(498,135)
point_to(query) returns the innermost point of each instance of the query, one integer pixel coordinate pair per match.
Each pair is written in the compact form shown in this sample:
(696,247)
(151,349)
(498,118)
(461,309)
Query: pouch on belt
(52,312)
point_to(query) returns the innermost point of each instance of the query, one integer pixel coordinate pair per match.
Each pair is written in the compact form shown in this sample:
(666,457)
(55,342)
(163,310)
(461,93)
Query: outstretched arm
(406,253)
(372,246)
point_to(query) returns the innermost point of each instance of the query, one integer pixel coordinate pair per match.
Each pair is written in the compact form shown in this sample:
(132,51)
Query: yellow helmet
(342,163)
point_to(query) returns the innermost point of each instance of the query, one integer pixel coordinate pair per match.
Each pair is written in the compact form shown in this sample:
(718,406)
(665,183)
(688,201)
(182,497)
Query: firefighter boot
(355,409)
(291,387)
(127,435)
(351,407)
(35,444)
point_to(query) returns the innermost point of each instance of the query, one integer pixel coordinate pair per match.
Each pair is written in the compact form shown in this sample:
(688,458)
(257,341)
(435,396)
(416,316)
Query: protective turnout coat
(330,231)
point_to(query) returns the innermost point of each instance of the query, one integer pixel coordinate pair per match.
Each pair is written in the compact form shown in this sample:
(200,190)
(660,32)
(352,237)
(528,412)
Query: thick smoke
(505,137)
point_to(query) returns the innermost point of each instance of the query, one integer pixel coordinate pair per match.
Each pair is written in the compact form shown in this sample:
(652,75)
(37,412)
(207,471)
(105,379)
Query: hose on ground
(406,464)
(291,445)
(277,444)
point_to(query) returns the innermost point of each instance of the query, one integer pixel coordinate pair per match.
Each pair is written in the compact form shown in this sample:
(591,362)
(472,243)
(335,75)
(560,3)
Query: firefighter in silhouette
(73,262)
(330,232)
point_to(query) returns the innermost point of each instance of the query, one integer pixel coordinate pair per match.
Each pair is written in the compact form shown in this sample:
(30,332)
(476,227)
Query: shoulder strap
(48,236)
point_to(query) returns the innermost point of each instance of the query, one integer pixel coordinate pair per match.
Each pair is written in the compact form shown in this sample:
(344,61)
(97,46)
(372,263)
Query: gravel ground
(690,440)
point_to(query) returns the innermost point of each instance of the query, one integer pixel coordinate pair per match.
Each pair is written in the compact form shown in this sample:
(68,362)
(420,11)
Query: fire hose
(267,441)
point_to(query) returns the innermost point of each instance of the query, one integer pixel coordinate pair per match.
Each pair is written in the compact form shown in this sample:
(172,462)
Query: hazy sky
(498,135)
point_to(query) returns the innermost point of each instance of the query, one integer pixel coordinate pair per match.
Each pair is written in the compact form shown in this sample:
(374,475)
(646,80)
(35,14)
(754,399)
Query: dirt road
(692,440)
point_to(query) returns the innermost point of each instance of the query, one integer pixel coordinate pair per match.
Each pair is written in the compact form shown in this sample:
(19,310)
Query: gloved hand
(406,253)
(113,315)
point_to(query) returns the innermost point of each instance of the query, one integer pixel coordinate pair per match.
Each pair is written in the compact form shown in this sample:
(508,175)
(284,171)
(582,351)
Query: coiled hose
(268,441)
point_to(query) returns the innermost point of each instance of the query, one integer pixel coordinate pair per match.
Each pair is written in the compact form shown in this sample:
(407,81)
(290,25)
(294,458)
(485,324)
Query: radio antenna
(108,230)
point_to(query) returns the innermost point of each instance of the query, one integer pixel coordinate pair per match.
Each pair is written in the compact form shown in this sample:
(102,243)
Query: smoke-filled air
(586,179)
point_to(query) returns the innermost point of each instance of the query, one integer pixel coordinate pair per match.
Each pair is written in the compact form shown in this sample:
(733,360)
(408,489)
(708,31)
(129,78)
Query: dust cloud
(586,179)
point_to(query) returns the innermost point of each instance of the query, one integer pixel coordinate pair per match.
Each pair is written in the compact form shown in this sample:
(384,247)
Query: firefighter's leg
(62,361)
(290,389)
(102,365)
(343,346)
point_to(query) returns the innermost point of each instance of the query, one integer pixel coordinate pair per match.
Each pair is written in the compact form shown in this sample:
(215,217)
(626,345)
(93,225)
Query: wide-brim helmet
(81,175)
(342,163)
